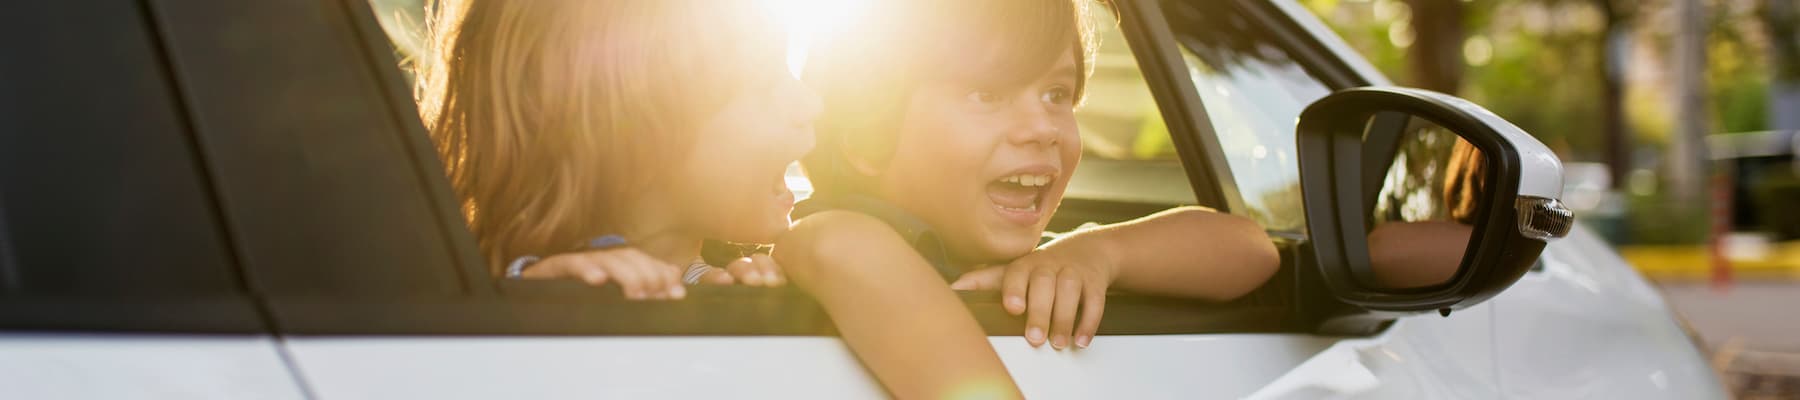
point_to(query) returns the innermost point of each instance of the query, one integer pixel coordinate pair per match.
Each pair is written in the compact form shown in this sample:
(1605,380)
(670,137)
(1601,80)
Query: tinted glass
(1254,91)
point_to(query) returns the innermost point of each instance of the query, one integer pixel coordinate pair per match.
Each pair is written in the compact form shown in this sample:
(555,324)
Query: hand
(755,270)
(1048,285)
(639,275)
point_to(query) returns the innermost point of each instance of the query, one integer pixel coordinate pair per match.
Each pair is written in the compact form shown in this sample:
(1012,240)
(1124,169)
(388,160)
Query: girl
(661,122)
(571,127)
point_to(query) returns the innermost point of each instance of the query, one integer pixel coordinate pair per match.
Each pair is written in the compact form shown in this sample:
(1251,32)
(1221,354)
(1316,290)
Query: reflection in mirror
(1427,209)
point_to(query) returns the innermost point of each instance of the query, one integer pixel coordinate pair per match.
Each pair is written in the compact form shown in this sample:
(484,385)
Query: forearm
(1190,252)
(899,317)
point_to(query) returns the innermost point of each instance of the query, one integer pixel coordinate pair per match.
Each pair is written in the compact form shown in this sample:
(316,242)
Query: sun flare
(805,19)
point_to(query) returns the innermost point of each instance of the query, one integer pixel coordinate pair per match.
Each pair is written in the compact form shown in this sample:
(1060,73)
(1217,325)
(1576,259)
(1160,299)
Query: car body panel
(1125,366)
(143,366)
(1590,326)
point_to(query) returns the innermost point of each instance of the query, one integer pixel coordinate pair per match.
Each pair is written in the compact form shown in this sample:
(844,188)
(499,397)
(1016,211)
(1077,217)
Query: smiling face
(986,164)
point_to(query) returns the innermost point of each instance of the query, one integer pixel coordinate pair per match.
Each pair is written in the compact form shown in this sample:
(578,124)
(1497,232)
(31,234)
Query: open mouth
(1020,195)
(784,197)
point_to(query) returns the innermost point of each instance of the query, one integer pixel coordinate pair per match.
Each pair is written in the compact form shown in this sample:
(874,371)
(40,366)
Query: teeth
(1027,180)
(1030,208)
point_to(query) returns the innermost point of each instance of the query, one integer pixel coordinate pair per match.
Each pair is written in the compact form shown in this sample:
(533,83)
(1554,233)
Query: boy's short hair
(866,73)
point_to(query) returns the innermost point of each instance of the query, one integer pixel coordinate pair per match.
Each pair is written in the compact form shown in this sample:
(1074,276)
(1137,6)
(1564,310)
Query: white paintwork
(1424,356)
(1148,367)
(140,366)
(1591,327)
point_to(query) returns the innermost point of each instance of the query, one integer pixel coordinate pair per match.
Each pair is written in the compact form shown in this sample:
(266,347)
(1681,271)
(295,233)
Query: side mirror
(1417,200)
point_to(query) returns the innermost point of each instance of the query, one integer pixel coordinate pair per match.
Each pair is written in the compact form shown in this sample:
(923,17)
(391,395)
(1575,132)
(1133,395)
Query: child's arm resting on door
(1187,252)
(892,308)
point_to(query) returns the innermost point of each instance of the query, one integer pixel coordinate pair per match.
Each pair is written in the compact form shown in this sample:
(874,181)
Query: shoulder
(834,235)
(836,227)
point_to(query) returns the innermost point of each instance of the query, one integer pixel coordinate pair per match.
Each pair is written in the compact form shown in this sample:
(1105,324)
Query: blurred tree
(1781,21)
(1616,31)
(1436,57)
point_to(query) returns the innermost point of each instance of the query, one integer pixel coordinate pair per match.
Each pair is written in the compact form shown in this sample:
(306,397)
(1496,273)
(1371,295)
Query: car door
(1154,142)
(327,191)
(117,278)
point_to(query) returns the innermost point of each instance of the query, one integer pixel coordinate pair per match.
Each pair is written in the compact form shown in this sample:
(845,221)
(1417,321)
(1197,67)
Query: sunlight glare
(806,19)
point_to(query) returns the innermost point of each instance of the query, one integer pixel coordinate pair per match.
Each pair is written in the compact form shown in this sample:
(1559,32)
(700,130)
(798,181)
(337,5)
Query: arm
(1189,252)
(1185,252)
(1417,254)
(893,310)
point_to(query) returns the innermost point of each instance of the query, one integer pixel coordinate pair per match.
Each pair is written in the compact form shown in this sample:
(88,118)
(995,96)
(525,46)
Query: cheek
(1071,149)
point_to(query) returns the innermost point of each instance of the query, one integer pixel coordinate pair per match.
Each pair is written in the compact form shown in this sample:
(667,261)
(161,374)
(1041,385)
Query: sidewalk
(1751,330)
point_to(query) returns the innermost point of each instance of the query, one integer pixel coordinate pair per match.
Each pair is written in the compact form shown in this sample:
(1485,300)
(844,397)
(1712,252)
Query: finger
(1039,304)
(1068,297)
(664,280)
(629,277)
(984,278)
(591,274)
(745,271)
(717,276)
(674,288)
(1092,306)
(1013,286)
(771,272)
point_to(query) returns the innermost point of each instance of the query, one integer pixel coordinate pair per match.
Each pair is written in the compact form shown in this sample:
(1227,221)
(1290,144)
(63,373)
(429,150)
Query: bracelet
(516,269)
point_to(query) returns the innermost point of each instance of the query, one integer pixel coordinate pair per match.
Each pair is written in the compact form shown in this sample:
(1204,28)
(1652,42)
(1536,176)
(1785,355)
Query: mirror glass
(1432,189)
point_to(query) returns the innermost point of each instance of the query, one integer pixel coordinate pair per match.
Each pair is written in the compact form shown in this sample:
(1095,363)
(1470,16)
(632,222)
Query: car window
(1127,154)
(1130,168)
(1253,90)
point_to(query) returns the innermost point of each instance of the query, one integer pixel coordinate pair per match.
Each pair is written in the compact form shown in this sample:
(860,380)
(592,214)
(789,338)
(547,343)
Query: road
(1752,330)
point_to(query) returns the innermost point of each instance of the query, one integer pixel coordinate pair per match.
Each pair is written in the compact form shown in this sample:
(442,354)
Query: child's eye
(1059,95)
(985,98)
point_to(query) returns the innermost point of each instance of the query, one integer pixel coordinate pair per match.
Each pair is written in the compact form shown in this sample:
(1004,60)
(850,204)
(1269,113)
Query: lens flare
(806,19)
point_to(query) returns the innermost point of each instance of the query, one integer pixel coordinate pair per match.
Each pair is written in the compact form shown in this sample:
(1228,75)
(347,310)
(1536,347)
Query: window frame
(133,128)
(483,305)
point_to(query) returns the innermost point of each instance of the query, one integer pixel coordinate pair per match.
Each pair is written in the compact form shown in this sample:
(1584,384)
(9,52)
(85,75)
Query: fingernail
(1035,335)
(1083,341)
(1059,341)
(678,292)
(1014,303)
(959,285)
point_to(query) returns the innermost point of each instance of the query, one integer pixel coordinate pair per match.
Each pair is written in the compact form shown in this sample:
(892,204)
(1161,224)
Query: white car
(237,200)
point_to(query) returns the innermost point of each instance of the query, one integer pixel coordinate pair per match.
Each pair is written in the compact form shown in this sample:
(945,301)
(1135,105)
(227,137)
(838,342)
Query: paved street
(1750,329)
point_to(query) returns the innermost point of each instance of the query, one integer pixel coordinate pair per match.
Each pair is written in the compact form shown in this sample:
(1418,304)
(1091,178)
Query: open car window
(1129,169)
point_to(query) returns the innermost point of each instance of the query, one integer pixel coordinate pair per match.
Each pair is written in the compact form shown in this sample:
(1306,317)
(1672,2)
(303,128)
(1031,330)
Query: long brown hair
(550,115)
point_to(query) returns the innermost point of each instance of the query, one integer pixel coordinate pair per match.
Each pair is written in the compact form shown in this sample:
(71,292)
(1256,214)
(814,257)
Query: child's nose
(1038,127)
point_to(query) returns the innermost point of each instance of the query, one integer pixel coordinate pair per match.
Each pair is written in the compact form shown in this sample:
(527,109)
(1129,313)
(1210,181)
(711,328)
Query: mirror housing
(1339,148)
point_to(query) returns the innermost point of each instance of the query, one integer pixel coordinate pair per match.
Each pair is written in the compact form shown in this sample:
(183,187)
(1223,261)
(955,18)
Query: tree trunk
(1435,58)
(1781,18)
(1687,158)
(1613,46)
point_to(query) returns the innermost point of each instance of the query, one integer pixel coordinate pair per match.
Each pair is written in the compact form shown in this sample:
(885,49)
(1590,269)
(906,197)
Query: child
(616,135)
(946,143)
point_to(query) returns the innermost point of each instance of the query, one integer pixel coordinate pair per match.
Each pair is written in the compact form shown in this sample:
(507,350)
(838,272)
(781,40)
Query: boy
(945,145)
